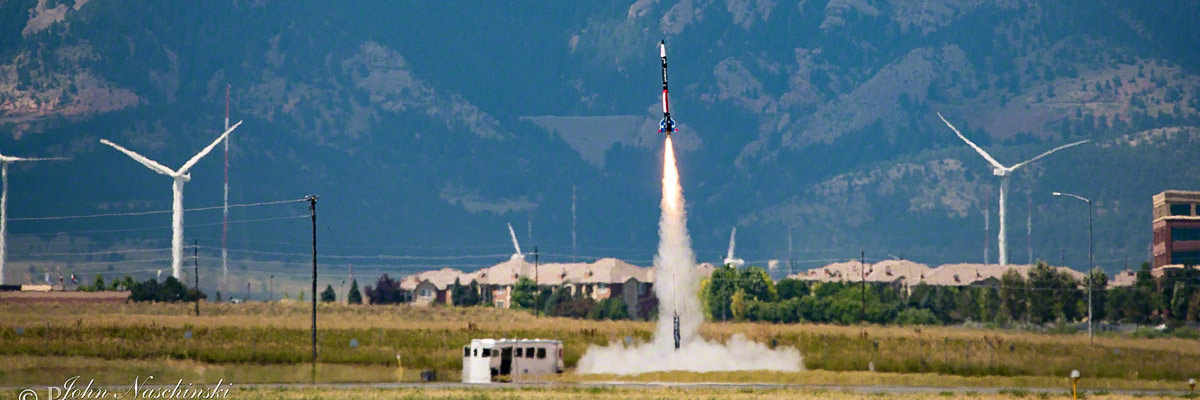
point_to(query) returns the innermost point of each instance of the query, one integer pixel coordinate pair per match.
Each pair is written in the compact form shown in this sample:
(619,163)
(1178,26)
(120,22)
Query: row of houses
(612,278)
(600,280)
(910,273)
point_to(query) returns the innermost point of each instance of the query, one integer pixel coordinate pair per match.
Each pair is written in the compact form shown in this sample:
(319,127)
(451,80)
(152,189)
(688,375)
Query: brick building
(1176,229)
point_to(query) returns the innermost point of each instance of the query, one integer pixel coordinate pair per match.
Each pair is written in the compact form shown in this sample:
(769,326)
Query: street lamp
(1091,266)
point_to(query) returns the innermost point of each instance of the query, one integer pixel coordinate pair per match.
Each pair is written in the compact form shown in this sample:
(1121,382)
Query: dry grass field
(263,342)
(603,393)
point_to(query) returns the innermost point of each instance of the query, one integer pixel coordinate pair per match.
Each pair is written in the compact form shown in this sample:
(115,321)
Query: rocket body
(667,125)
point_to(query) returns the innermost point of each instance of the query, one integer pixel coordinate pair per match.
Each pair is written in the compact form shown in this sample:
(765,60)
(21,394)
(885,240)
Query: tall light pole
(1090,260)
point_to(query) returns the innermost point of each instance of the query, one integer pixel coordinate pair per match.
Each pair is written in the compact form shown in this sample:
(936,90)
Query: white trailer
(487,359)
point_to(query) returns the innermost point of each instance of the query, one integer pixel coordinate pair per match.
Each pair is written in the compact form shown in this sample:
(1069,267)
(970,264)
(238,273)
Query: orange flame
(670,178)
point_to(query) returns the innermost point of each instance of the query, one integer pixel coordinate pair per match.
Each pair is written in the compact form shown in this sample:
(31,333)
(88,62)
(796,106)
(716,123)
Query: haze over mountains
(425,128)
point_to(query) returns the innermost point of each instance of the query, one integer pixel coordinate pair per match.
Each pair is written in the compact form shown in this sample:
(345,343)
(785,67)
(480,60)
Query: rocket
(667,125)
(676,322)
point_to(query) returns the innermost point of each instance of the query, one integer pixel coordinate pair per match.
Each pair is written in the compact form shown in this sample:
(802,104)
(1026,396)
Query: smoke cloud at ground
(676,283)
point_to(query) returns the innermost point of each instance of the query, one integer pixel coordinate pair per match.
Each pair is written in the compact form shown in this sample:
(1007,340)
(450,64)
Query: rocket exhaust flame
(676,345)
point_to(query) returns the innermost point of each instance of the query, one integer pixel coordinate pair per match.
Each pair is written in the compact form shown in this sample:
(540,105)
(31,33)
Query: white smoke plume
(676,283)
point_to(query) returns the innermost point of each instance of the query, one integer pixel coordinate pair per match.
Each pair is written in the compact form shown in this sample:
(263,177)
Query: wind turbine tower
(729,258)
(179,177)
(4,161)
(1004,173)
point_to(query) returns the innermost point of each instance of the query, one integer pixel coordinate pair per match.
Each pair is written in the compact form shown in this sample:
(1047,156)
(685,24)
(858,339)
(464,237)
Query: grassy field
(624,393)
(270,343)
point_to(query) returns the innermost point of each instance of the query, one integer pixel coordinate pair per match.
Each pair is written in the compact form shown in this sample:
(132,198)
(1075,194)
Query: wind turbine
(729,258)
(180,176)
(4,161)
(1003,172)
(516,246)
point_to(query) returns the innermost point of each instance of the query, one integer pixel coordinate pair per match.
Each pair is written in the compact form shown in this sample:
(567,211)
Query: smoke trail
(676,283)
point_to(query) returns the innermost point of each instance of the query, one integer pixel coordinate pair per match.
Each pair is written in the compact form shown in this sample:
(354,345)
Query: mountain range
(809,125)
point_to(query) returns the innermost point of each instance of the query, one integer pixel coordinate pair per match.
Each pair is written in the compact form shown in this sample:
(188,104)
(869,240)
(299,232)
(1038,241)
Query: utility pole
(791,266)
(862,269)
(1091,267)
(573,223)
(1029,229)
(1091,261)
(312,208)
(196,272)
(536,266)
(225,208)
(271,289)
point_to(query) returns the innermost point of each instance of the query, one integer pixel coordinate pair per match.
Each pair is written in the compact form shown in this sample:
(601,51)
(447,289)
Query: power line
(131,214)
(368,256)
(158,227)
(94,253)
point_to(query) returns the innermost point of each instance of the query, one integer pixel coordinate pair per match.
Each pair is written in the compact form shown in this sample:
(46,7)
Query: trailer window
(475,352)
(518,352)
(466,351)
(487,352)
(529,352)
(541,352)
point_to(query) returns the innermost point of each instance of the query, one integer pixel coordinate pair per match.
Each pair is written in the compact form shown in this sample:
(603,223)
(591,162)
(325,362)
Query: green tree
(1044,303)
(610,308)
(556,296)
(524,294)
(718,292)
(97,284)
(757,284)
(1013,289)
(457,293)
(472,297)
(1178,290)
(354,297)
(988,299)
(1145,299)
(789,288)
(966,307)
(1070,297)
(1098,281)
(917,316)
(737,305)
(327,295)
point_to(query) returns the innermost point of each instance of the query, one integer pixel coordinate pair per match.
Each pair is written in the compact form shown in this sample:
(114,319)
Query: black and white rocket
(667,125)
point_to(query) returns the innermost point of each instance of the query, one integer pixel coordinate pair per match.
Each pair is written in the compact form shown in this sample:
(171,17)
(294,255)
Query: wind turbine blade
(141,159)
(979,150)
(1020,164)
(188,165)
(732,236)
(516,246)
(20,159)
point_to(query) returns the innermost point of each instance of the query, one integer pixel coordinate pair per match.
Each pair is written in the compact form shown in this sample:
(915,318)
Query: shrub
(610,308)
(170,291)
(917,316)
(386,291)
